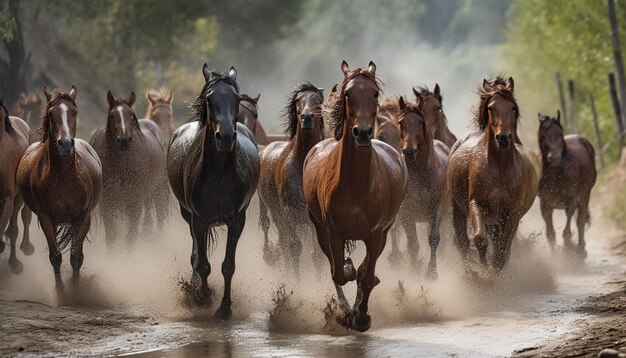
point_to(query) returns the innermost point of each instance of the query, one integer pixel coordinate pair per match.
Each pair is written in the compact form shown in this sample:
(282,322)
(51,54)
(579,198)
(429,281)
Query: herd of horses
(350,167)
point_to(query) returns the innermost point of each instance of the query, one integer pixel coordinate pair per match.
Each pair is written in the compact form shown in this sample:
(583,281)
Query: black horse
(213,168)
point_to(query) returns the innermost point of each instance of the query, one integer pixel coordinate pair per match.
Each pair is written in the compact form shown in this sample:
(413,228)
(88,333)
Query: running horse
(133,167)
(491,178)
(160,111)
(213,169)
(60,179)
(353,188)
(568,175)
(433,109)
(426,160)
(280,186)
(29,108)
(386,129)
(14,139)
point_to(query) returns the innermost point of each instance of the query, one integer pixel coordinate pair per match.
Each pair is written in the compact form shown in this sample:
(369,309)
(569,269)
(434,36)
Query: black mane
(290,112)
(198,106)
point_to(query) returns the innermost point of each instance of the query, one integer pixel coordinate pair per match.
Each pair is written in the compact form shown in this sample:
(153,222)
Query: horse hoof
(16,266)
(223,314)
(361,322)
(27,249)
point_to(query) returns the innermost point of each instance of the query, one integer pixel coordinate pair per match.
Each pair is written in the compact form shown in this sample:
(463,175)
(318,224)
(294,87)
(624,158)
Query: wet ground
(130,301)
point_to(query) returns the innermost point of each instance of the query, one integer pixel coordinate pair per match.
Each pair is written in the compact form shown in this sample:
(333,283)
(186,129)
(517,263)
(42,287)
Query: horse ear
(438,93)
(73,92)
(510,85)
(232,73)
(334,89)
(256,98)
(170,97)
(131,99)
(558,116)
(206,72)
(401,103)
(371,68)
(110,98)
(539,117)
(345,68)
(485,83)
(45,91)
(417,94)
(150,96)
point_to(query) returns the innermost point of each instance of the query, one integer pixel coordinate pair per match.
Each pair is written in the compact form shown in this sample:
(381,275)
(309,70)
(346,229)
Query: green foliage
(617,210)
(570,37)
(7,26)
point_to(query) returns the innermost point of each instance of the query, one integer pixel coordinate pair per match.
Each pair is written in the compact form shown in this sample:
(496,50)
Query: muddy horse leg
(342,269)
(503,239)
(413,247)
(433,241)
(581,221)
(395,255)
(570,208)
(76,253)
(55,255)
(6,209)
(12,232)
(361,320)
(162,203)
(270,253)
(480,236)
(323,238)
(26,246)
(294,245)
(110,225)
(546,213)
(235,228)
(199,259)
(459,222)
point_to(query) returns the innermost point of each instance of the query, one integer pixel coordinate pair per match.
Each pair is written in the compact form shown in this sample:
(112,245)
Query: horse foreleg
(12,231)
(480,237)
(361,321)
(567,232)
(133,213)
(270,253)
(235,228)
(433,241)
(110,226)
(6,209)
(76,253)
(200,261)
(323,238)
(162,203)
(294,245)
(342,267)
(546,213)
(502,241)
(412,243)
(581,221)
(148,207)
(459,221)
(55,255)
(26,246)
(395,255)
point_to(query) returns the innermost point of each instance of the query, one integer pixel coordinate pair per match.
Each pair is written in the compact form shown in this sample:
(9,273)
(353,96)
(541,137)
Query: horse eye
(376,95)
(514,109)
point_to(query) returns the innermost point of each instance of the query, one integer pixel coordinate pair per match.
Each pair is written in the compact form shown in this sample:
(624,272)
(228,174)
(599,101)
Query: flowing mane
(489,89)
(290,112)
(41,135)
(336,110)
(8,126)
(198,106)
(410,107)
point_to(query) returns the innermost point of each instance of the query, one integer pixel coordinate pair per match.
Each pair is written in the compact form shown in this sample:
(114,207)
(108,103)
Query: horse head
(413,128)
(59,120)
(121,119)
(551,139)
(498,111)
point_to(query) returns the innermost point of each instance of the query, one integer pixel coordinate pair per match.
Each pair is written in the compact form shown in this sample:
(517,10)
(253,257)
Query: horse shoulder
(23,130)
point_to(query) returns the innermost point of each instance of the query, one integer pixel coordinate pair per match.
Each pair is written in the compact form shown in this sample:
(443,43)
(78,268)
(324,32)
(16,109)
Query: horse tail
(64,235)
(349,246)
(589,147)
(211,239)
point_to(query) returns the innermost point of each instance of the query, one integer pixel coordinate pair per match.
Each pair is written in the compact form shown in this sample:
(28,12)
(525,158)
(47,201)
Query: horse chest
(60,197)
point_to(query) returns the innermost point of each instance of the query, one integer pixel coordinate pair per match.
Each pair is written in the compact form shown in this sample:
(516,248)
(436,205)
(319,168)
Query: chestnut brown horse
(249,117)
(426,160)
(386,129)
(213,168)
(14,139)
(491,178)
(353,188)
(60,179)
(133,168)
(29,108)
(280,186)
(160,111)
(433,109)
(568,175)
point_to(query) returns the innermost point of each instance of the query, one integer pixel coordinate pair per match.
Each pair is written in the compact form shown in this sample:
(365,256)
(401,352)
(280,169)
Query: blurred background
(129,46)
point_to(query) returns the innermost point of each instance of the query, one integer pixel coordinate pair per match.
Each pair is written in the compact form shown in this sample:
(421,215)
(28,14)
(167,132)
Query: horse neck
(501,157)
(354,162)
(210,156)
(303,143)
(59,163)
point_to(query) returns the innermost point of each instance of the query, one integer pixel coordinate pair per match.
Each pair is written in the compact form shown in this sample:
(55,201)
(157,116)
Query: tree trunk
(619,63)
(16,75)
(559,84)
(572,106)
(618,113)
(600,150)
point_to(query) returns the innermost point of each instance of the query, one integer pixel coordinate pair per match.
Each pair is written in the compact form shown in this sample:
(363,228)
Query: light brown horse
(386,129)
(353,188)
(249,117)
(14,139)
(29,108)
(160,111)
(133,167)
(426,160)
(433,109)
(60,179)
(568,175)
(491,178)
(280,185)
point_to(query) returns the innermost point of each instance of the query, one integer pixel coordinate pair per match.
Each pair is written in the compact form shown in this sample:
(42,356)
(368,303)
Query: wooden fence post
(618,113)
(572,106)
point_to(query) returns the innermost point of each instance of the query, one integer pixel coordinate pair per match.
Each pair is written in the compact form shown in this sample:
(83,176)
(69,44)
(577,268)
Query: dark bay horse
(353,188)
(133,168)
(567,177)
(29,108)
(280,186)
(249,117)
(491,178)
(60,179)
(433,109)
(213,169)
(426,160)
(14,139)
(160,111)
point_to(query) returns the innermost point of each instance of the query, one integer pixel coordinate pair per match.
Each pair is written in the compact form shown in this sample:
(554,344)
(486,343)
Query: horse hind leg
(582,220)
(78,238)
(26,246)
(12,232)
(395,255)
(235,228)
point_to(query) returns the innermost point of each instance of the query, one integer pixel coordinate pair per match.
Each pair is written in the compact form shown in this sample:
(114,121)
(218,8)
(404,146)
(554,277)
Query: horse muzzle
(504,140)
(225,142)
(409,153)
(66,146)
(307,120)
(362,135)
(124,143)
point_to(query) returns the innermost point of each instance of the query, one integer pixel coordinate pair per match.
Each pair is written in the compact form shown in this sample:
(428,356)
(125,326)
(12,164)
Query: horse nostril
(510,136)
(370,131)
(355,132)
(498,137)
